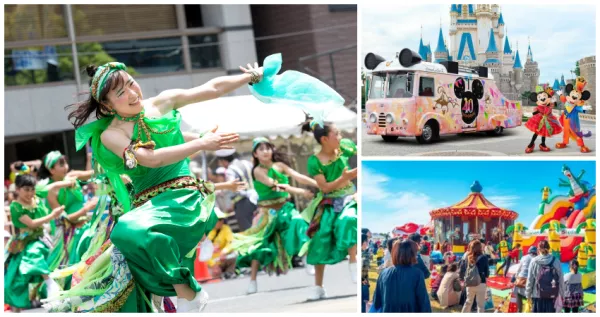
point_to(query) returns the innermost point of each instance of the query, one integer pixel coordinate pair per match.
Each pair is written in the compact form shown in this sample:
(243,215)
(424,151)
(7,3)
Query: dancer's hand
(91,204)
(250,69)
(234,185)
(308,194)
(212,141)
(349,174)
(56,212)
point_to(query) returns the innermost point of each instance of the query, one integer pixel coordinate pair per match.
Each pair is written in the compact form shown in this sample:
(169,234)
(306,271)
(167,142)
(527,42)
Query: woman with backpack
(477,271)
(545,281)
(573,289)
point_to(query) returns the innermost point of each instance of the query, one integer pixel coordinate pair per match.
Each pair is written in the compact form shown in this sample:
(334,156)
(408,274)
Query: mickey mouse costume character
(543,122)
(574,104)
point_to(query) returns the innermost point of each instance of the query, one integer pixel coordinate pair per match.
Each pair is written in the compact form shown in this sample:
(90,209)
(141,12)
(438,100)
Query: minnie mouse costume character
(574,104)
(543,122)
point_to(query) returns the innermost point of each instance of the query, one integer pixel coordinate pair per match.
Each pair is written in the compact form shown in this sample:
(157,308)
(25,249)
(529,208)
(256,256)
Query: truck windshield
(377,84)
(400,85)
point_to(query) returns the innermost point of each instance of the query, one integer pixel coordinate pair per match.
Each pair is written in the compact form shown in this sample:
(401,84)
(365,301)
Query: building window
(97,20)
(147,56)
(193,16)
(426,85)
(38,65)
(204,51)
(342,8)
(34,22)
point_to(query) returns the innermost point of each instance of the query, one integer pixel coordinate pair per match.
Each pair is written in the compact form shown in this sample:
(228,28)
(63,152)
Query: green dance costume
(27,266)
(279,233)
(67,249)
(170,213)
(333,215)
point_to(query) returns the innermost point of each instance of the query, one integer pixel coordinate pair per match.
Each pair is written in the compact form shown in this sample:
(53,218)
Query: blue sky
(397,192)
(560,34)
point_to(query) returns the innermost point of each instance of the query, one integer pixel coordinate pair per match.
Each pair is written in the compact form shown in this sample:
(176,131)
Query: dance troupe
(545,124)
(142,254)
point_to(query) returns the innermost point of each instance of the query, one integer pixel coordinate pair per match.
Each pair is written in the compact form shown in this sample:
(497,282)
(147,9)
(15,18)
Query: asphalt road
(283,294)
(511,142)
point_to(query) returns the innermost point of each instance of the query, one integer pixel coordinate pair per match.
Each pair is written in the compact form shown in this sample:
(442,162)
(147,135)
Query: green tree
(525,96)
(30,22)
(577,69)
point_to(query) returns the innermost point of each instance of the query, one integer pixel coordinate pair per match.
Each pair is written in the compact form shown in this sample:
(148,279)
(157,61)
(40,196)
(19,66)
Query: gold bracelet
(254,77)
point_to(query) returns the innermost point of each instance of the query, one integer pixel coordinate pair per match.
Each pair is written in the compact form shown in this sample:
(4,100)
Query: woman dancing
(171,212)
(280,231)
(27,261)
(332,213)
(72,224)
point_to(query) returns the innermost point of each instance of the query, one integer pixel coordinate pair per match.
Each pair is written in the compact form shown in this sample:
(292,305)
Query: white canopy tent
(252,118)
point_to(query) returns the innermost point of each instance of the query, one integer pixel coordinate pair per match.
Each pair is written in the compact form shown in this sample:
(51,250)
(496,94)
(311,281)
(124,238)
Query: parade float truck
(410,97)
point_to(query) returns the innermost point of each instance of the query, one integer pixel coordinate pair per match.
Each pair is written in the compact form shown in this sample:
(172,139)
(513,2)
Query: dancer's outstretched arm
(300,178)
(214,88)
(327,187)
(36,223)
(116,141)
(261,175)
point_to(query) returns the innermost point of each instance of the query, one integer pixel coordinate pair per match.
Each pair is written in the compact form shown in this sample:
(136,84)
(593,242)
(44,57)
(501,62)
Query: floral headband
(101,75)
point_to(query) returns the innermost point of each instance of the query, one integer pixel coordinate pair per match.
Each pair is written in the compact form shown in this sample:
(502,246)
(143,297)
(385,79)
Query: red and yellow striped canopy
(475,205)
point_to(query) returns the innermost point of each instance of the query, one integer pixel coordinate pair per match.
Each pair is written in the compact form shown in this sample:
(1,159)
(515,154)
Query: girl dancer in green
(280,232)
(332,213)
(28,251)
(171,210)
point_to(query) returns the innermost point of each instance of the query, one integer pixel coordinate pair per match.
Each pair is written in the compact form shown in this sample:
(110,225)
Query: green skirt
(278,235)
(335,235)
(151,243)
(23,269)
(156,237)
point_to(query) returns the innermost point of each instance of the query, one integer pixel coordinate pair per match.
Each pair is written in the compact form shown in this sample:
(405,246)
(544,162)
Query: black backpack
(424,249)
(547,280)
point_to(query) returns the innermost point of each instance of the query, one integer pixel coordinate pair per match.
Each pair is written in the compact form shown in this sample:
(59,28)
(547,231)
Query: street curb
(454,152)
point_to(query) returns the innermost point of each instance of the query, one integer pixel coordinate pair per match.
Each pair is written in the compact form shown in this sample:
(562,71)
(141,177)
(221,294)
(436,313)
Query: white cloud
(560,34)
(374,185)
(404,207)
(504,201)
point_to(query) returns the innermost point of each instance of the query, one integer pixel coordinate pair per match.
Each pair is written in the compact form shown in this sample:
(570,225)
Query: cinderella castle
(477,38)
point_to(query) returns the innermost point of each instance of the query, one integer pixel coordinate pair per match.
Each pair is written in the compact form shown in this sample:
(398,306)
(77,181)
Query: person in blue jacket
(401,288)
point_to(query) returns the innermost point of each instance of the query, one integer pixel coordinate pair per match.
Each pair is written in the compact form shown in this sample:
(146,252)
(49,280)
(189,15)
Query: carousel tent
(475,215)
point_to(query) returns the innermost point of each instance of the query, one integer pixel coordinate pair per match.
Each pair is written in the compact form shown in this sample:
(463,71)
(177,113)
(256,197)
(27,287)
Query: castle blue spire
(562,81)
(507,49)
(518,61)
(492,46)
(500,20)
(441,46)
(454,8)
(556,85)
(422,50)
(529,54)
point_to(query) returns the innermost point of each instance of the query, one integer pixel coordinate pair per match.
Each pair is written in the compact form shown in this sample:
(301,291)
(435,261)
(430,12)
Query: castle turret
(492,56)
(507,58)
(562,82)
(517,80)
(532,71)
(441,52)
(556,85)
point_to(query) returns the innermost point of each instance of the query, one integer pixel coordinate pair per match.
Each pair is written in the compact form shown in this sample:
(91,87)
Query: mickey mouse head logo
(469,105)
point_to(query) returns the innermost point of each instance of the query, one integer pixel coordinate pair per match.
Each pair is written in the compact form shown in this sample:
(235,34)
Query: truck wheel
(497,131)
(430,133)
